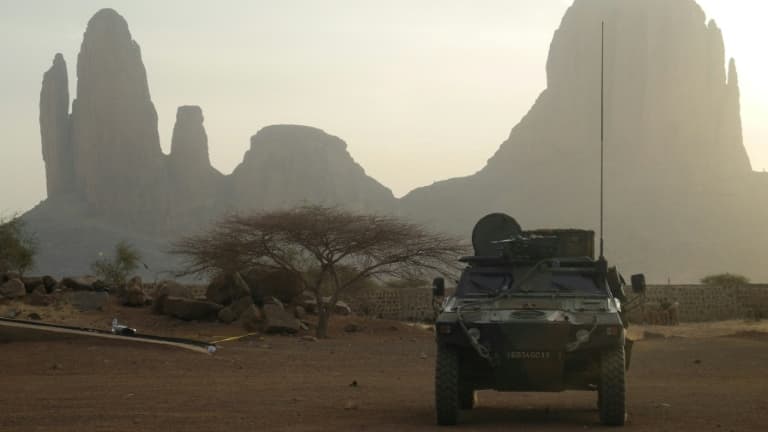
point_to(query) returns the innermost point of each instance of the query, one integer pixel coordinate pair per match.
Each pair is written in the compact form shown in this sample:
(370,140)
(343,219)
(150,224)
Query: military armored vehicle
(532,311)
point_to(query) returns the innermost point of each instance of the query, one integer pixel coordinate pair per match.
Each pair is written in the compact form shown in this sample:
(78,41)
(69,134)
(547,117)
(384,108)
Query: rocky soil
(376,378)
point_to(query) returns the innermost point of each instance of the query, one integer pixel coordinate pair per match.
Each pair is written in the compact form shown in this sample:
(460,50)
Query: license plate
(532,355)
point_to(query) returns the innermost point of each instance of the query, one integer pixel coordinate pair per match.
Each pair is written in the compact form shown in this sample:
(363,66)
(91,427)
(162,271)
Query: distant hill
(681,198)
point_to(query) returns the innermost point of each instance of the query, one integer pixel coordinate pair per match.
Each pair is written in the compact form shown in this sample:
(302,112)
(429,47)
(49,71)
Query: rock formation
(107,154)
(681,199)
(54,129)
(189,144)
(676,167)
(289,165)
(114,123)
(194,185)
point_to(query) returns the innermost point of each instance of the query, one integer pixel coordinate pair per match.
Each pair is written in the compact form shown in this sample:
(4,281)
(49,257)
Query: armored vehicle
(532,311)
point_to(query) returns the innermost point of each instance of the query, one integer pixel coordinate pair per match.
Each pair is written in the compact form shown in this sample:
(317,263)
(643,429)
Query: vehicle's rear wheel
(612,391)
(467,397)
(447,386)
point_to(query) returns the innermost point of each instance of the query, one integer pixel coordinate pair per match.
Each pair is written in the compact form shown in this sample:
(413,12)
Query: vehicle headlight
(582,335)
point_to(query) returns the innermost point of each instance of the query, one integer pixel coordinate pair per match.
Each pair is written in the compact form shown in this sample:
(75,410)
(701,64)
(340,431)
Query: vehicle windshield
(483,283)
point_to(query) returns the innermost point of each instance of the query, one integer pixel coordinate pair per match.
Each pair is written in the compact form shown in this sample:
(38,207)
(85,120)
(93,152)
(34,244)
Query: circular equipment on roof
(491,229)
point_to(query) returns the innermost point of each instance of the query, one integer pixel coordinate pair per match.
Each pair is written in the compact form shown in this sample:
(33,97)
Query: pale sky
(420,90)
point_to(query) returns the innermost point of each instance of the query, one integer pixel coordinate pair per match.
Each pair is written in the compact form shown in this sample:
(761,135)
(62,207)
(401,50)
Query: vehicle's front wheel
(447,386)
(612,392)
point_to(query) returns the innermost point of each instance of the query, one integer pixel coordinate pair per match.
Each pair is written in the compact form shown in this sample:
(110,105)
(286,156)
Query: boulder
(172,288)
(226,288)
(32,283)
(252,318)
(13,288)
(342,308)
(49,283)
(274,301)
(79,283)
(165,289)
(38,297)
(233,312)
(308,301)
(278,320)
(5,277)
(190,309)
(227,315)
(280,284)
(89,300)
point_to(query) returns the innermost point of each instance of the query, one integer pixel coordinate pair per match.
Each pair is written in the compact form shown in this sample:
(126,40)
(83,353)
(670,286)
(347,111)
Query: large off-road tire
(467,397)
(612,391)
(447,386)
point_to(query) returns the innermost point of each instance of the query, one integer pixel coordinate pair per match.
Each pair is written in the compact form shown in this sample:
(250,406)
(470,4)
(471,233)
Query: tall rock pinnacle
(194,185)
(54,129)
(675,164)
(731,127)
(189,144)
(114,122)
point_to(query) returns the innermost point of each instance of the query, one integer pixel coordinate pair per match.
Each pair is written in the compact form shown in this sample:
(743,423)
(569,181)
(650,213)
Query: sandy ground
(703,378)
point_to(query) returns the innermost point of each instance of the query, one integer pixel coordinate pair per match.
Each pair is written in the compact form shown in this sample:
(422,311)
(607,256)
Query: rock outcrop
(194,185)
(189,143)
(189,309)
(12,289)
(109,180)
(676,167)
(55,130)
(114,123)
(289,165)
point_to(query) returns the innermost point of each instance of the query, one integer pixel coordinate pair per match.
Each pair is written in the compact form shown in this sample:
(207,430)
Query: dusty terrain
(712,379)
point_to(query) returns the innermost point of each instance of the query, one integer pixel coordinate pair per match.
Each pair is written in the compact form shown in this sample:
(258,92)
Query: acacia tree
(315,243)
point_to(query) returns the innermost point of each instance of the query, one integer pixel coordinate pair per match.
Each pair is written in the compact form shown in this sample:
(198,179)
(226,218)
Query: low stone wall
(404,304)
(696,303)
(699,303)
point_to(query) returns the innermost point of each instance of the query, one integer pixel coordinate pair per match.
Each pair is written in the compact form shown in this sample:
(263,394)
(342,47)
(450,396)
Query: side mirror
(438,287)
(638,283)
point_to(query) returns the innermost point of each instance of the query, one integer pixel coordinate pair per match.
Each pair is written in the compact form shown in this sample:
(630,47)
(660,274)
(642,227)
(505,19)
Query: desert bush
(726,280)
(17,247)
(116,269)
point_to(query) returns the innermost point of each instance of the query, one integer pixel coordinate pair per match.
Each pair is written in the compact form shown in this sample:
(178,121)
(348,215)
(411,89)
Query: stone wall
(696,303)
(404,304)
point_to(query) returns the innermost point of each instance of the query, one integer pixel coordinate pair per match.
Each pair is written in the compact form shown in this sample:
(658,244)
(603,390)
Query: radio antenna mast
(602,132)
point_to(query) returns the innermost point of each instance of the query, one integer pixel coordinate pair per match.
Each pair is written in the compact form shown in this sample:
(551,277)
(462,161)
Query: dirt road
(286,383)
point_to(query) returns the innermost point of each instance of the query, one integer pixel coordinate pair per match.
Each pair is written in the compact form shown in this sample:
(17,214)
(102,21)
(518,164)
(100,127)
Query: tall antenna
(602,133)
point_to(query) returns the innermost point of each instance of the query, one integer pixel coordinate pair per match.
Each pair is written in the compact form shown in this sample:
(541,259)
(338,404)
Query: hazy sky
(420,90)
